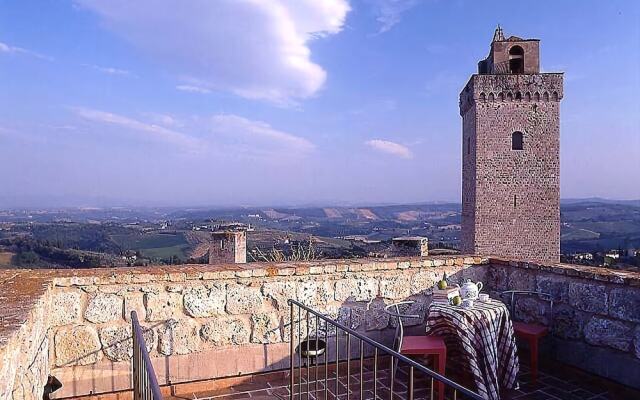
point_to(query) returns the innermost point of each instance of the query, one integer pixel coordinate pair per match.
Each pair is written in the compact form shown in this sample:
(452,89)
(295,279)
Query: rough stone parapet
(81,317)
(594,308)
(194,309)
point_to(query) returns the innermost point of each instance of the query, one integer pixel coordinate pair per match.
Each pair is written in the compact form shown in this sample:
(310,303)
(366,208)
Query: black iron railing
(329,363)
(145,383)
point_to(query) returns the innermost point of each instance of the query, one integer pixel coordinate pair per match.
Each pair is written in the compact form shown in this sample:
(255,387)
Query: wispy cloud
(164,119)
(193,89)
(109,70)
(259,135)
(389,12)
(5,48)
(393,148)
(151,131)
(226,135)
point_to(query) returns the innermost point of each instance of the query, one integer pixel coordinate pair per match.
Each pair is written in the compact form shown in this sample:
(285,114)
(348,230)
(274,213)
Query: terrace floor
(554,382)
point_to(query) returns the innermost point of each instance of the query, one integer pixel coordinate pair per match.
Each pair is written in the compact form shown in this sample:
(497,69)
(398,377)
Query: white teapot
(470,290)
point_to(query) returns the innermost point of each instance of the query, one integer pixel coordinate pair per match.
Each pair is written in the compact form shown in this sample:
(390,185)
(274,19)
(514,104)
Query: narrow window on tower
(515,201)
(517,141)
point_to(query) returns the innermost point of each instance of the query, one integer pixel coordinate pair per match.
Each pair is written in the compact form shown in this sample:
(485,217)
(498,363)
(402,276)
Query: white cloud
(164,119)
(258,134)
(257,49)
(151,131)
(389,147)
(109,70)
(193,89)
(389,12)
(5,48)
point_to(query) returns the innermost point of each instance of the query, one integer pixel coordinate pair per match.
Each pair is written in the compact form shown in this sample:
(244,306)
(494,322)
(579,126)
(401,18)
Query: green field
(155,245)
(148,241)
(179,251)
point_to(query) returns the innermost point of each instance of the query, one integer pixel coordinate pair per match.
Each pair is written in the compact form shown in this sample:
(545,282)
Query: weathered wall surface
(24,343)
(595,320)
(204,324)
(207,321)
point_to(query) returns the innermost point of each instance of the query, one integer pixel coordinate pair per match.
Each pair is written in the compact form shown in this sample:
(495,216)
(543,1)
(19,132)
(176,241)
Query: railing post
(292,351)
(145,383)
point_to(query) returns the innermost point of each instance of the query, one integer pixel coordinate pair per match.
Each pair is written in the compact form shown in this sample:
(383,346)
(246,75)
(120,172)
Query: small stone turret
(410,246)
(512,55)
(228,247)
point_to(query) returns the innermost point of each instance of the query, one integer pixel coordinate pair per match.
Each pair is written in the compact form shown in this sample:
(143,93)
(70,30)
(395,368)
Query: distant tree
(609,261)
(26,258)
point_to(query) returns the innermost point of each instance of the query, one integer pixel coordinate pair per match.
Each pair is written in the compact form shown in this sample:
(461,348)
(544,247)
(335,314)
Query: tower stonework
(228,247)
(511,155)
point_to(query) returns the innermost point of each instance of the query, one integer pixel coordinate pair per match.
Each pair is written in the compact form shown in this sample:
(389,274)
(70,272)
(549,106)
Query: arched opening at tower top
(516,60)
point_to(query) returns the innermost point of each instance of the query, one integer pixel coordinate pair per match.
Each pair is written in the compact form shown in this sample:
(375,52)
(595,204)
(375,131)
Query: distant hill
(589,224)
(600,200)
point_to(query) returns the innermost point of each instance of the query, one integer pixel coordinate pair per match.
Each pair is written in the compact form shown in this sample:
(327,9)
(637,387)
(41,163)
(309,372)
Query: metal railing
(145,383)
(332,385)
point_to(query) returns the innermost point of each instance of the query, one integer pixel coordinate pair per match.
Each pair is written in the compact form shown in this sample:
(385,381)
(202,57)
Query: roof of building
(409,238)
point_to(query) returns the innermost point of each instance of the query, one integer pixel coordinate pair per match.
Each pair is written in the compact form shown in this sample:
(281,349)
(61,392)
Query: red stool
(417,345)
(427,346)
(532,334)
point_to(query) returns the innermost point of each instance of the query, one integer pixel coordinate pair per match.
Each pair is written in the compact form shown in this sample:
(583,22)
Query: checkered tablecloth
(479,340)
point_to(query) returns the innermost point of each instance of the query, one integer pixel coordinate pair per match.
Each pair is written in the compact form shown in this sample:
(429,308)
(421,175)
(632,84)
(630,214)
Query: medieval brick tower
(511,154)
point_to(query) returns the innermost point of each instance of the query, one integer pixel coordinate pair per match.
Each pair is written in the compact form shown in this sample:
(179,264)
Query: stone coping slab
(621,277)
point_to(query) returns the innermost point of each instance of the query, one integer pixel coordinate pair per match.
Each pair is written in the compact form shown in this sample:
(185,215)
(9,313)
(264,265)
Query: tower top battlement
(512,55)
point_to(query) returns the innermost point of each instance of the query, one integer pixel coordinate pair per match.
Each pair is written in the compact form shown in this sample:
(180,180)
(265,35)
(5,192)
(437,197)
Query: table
(481,340)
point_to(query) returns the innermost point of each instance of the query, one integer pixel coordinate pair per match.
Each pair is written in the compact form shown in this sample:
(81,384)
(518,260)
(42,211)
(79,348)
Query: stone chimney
(228,247)
(410,246)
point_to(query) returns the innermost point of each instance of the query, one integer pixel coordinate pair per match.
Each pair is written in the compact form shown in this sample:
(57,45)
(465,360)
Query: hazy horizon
(59,204)
(353,102)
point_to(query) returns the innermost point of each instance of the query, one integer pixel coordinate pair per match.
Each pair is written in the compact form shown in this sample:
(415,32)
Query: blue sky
(291,101)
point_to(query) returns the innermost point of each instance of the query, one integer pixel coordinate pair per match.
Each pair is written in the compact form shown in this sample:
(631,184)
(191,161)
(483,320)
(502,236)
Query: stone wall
(24,341)
(204,323)
(595,320)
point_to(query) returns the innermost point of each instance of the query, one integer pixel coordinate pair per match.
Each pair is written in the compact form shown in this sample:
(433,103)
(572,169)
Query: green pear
(442,284)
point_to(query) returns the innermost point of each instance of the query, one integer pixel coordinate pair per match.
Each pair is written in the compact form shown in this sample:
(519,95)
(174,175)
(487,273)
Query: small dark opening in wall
(517,141)
(515,201)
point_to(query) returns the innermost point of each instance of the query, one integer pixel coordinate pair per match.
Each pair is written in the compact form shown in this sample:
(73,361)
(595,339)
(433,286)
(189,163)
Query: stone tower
(511,154)
(228,247)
